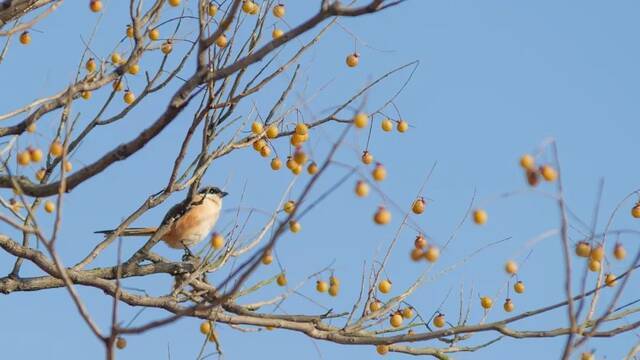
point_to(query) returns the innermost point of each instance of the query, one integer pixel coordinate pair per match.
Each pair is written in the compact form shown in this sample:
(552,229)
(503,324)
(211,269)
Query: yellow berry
(480,216)
(212,9)
(362,189)
(548,173)
(259,144)
(597,253)
(518,287)
(205,328)
(416,254)
(90,65)
(217,241)
(486,302)
(247,6)
(294,226)
(55,149)
(35,155)
(333,280)
(333,290)
(291,164)
(166,47)
(121,343)
(297,170)
(511,267)
(129,31)
(257,128)
(610,280)
(619,252)
(23,158)
(353,60)
(49,206)
(384,286)
(379,173)
(129,97)
(587,356)
(154,34)
(174,2)
(439,321)
(583,249)
(387,125)
(289,206)
(25,38)
(635,211)
(302,129)
(277,33)
(116,58)
(432,254)
(322,286)
(375,306)
(272,131)
(395,320)
(265,151)
(527,162)
(118,85)
(300,157)
(418,206)
(407,313)
(508,305)
(382,216)
(31,128)
(222,41)
(382,349)
(279,11)
(96,6)
(134,69)
(594,265)
(40,174)
(276,163)
(367,158)
(281,280)
(85,94)
(360,120)
(402,126)
(67,166)
(267,258)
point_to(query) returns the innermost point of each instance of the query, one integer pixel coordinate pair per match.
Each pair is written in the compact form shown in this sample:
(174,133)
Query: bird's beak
(223,194)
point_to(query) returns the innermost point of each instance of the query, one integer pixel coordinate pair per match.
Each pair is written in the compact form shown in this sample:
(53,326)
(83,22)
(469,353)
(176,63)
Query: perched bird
(193,220)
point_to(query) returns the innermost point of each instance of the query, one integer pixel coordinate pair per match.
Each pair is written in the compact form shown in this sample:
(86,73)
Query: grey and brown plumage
(193,220)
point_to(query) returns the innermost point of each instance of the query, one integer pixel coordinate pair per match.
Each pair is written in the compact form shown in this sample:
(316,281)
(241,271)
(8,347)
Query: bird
(193,220)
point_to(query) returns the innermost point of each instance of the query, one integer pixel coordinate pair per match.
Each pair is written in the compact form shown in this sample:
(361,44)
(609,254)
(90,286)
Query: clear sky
(496,79)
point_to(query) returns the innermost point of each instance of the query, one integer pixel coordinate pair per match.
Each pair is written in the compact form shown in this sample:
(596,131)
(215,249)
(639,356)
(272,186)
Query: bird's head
(212,191)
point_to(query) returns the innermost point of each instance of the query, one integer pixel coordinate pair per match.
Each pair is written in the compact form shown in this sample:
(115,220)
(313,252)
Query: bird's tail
(137,231)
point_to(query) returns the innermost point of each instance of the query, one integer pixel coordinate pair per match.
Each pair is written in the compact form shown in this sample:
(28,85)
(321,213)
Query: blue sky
(496,79)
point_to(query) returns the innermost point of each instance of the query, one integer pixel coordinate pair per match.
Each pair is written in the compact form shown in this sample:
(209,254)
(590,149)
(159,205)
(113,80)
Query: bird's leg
(188,255)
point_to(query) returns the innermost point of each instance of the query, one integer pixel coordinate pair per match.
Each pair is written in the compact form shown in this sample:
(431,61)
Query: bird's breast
(194,225)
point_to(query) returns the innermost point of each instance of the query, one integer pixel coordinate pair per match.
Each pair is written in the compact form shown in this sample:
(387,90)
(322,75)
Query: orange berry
(384,286)
(508,305)
(121,343)
(610,280)
(597,253)
(265,151)
(116,58)
(174,3)
(281,280)
(395,320)
(277,33)
(300,157)
(49,206)
(312,169)
(379,173)
(402,126)
(353,60)
(418,205)
(212,9)
(527,162)
(85,94)
(217,241)
(480,216)
(23,158)
(272,131)
(619,252)
(439,321)
(166,47)
(362,189)
(25,38)
(31,128)
(134,69)
(587,356)
(129,31)
(548,173)
(67,166)
(511,267)
(333,290)
(432,254)
(420,242)
(257,128)
(279,11)
(360,120)
(90,65)
(267,258)
(375,306)
(382,349)
(276,163)
(55,149)
(40,174)
(302,129)
(518,287)
(322,286)
(635,211)
(407,312)
(583,249)
(129,97)
(222,41)
(289,206)
(416,254)
(387,125)
(595,265)
(486,302)
(96,6)
(367,158)
(382,216)
(35,154)
(294,226)
(205,327)
(154,34)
